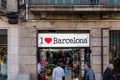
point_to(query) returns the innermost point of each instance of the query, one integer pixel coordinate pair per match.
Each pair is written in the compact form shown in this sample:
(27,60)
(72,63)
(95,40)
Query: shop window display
(72,58)
(3,54)
(3,62)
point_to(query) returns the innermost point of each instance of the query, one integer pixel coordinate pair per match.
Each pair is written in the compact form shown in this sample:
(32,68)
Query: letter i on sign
(41,38)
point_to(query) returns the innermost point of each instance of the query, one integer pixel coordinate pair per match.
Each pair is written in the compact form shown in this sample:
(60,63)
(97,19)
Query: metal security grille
(114,55)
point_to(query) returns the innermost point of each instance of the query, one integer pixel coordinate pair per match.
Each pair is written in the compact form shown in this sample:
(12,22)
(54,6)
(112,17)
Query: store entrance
(72,58)
(66,47)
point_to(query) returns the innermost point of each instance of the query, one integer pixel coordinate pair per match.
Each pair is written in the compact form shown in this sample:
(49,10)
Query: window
(3,53)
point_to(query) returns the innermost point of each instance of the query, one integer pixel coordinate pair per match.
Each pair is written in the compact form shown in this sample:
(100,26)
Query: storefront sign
(63,40)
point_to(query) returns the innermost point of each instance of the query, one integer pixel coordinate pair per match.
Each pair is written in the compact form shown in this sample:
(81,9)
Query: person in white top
(39,70)
(58,72)
(75,77)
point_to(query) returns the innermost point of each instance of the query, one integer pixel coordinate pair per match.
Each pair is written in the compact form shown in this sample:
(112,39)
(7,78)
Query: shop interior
(3,48)
(72,58)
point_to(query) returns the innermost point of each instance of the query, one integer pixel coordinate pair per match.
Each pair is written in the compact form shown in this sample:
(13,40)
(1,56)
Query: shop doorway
(70,48)
(73,58)
(3,53)
(114,55)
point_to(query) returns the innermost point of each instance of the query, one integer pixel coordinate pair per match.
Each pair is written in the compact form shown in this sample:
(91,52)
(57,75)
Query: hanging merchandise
(63,51)
(43,62)
(87,54)
(43,76)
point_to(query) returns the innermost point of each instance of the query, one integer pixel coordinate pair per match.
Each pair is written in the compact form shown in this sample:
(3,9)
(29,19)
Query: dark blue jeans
(4,77)
(38,76)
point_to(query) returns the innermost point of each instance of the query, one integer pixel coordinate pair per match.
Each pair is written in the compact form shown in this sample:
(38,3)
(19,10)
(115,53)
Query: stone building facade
(22,37)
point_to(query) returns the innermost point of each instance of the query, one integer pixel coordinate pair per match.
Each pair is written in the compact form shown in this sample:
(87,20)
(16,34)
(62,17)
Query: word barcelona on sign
(63,40)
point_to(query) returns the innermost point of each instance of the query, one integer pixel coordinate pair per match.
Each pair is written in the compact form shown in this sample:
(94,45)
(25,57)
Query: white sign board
(63,40)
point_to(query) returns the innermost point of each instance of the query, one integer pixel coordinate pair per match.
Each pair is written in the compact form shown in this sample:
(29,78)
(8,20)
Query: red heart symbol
(48,40)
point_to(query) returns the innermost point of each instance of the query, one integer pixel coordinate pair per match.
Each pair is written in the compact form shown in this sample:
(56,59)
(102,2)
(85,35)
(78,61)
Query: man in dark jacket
(89,72)
(108,74)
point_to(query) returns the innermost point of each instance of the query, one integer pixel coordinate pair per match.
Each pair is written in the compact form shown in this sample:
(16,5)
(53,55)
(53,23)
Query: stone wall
(13,52)
(12,6)
(60,15)
(96,49)
(28,51)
